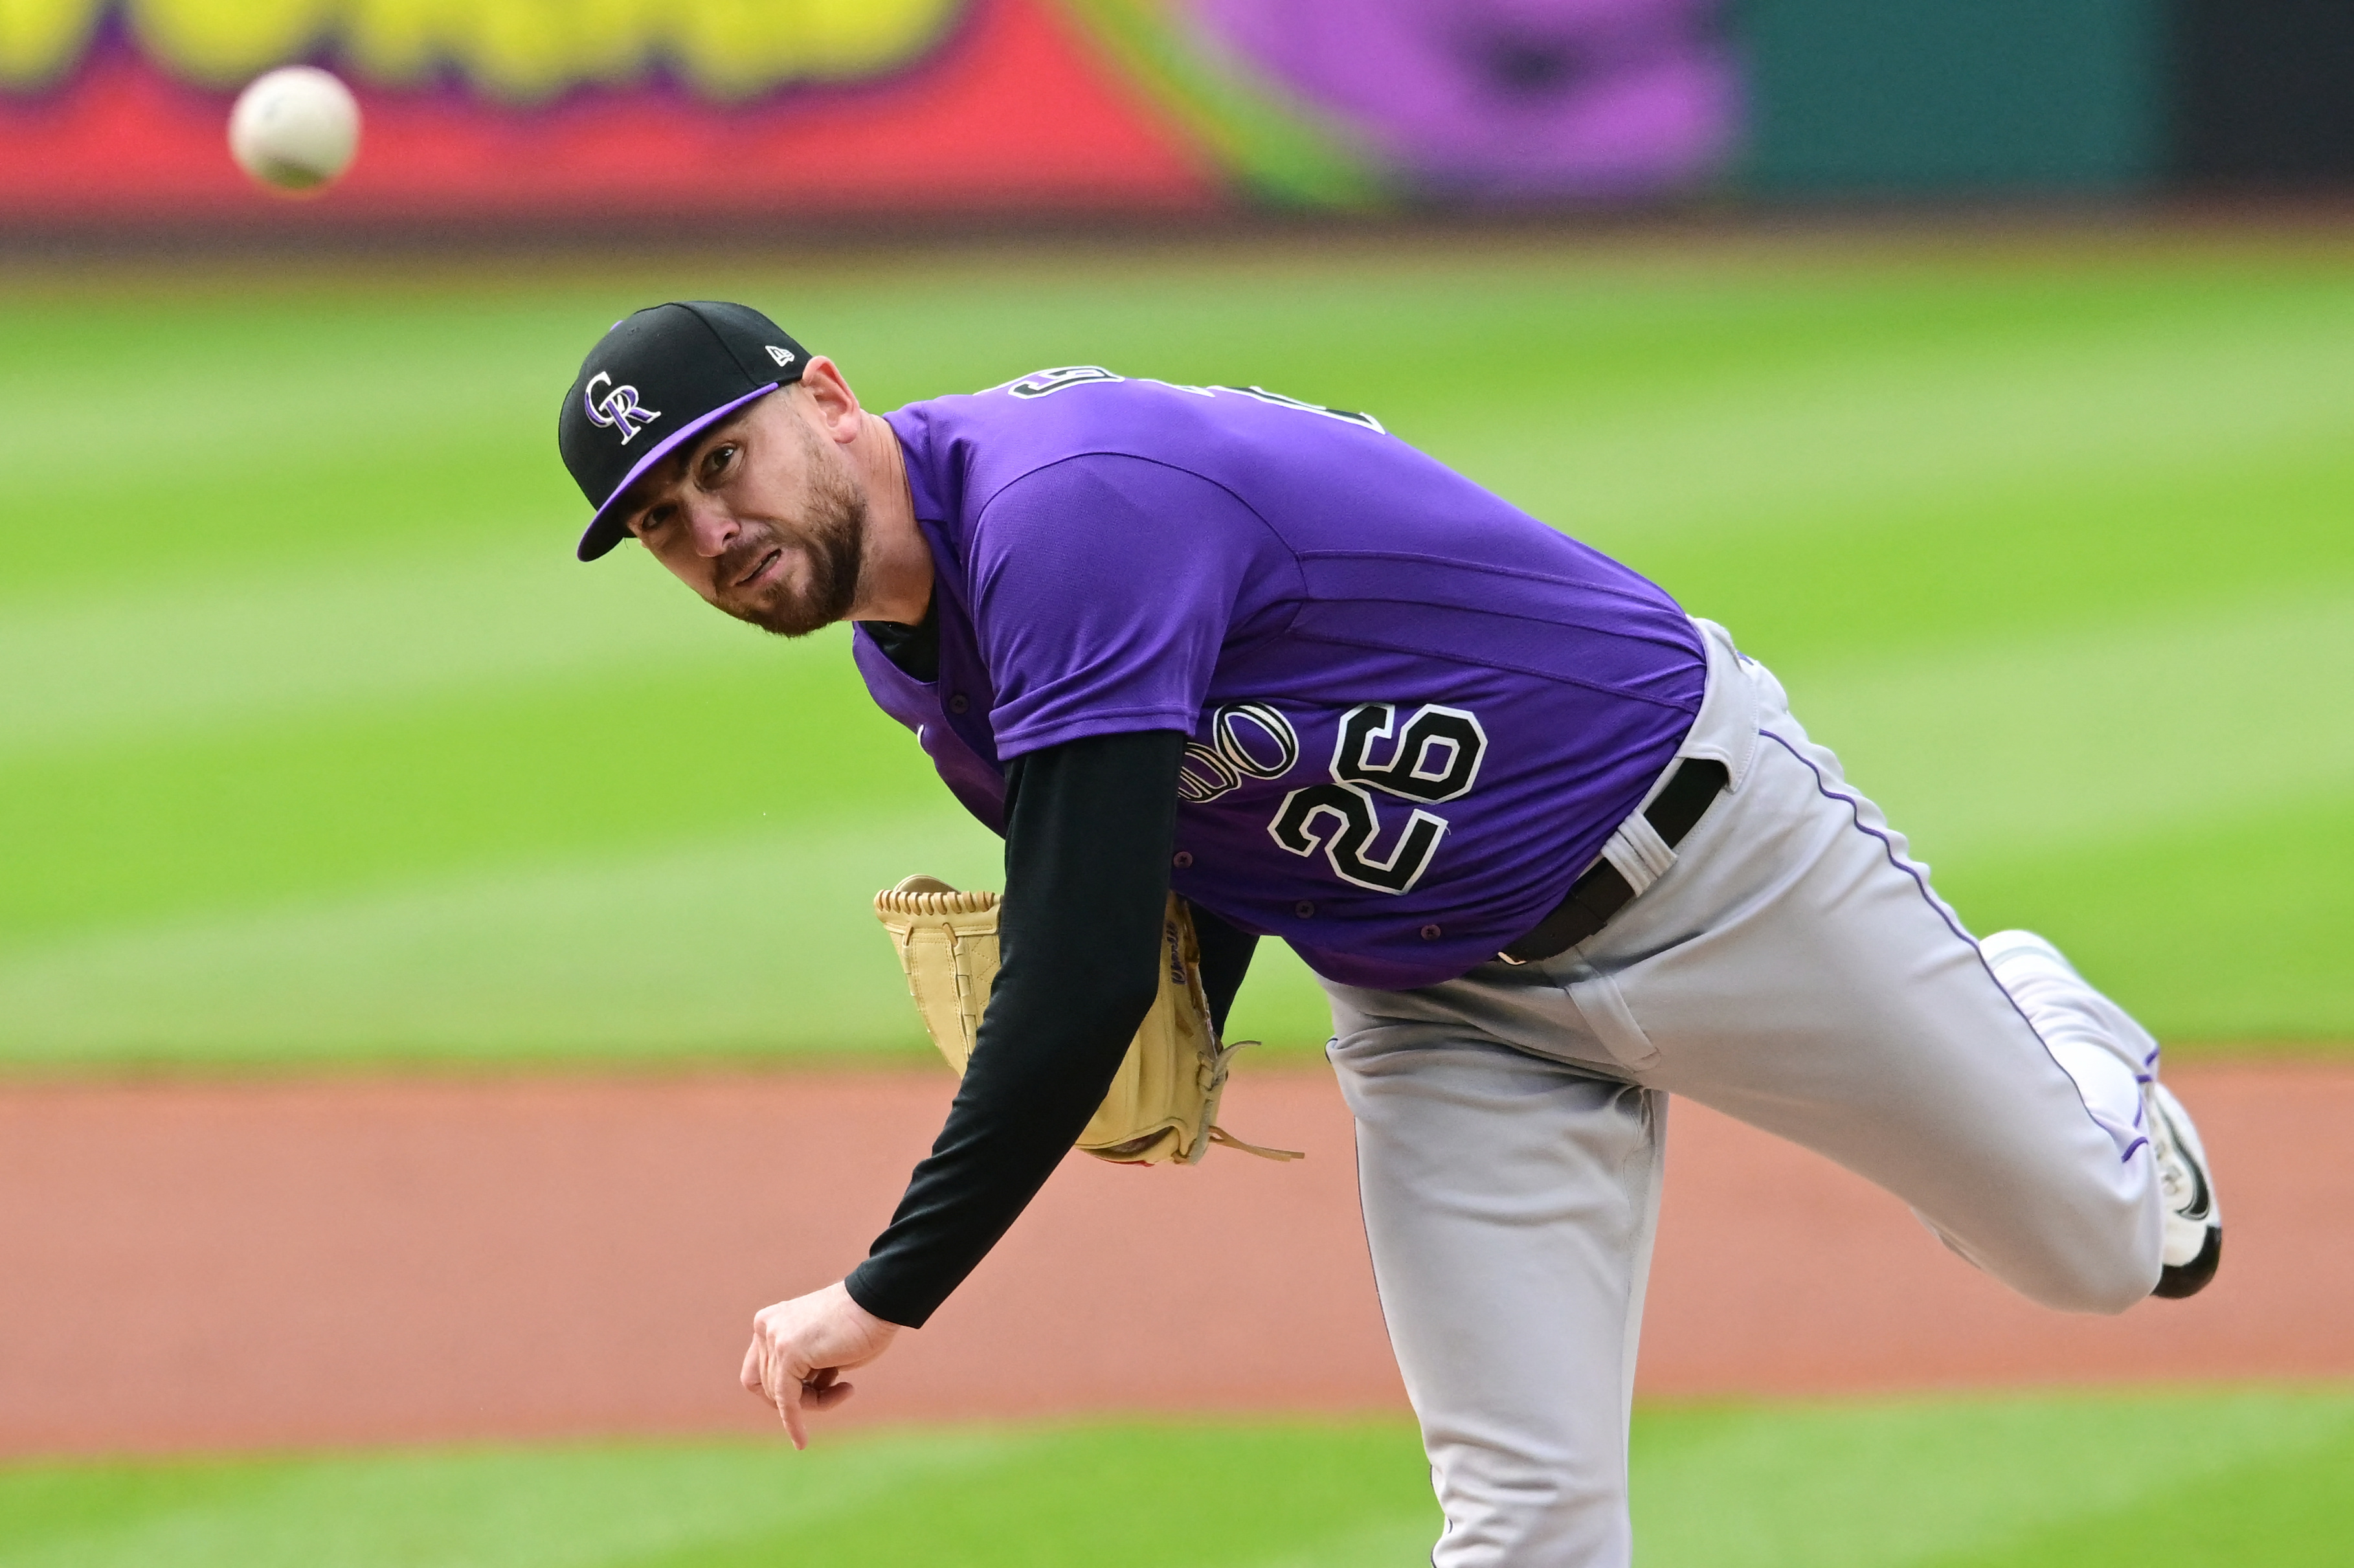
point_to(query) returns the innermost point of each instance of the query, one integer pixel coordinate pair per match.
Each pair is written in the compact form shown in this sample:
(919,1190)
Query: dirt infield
(352,1263)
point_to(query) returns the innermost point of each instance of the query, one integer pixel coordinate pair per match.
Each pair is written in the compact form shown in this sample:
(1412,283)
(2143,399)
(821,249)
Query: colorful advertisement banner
(115,111)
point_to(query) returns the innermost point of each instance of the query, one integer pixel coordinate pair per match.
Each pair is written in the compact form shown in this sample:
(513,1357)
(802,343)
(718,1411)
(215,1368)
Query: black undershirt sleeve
(1088,828)
(1225,959)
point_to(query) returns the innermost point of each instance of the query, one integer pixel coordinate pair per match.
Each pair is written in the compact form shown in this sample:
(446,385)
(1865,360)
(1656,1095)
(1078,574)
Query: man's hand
(799,1347)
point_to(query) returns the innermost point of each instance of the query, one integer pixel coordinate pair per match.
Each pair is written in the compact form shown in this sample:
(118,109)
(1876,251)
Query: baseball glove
(1164,1104)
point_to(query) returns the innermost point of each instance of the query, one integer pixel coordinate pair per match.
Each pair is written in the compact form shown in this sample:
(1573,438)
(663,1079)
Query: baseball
(294,130)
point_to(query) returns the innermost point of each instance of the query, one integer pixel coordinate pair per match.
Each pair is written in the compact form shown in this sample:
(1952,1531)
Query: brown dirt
(240,1266)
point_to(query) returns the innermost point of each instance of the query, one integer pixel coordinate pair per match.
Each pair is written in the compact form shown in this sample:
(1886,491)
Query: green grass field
(2084,1481)
(319,749)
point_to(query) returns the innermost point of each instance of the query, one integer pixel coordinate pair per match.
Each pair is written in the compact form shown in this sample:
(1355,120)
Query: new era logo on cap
(684,365)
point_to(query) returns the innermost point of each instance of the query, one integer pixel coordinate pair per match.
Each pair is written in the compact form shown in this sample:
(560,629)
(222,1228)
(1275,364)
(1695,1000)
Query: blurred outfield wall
(112,111)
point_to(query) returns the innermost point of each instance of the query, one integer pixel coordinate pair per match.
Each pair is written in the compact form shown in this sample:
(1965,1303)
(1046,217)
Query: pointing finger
(789,1407)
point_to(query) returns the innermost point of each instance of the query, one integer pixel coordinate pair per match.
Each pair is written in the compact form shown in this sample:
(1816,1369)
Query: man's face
(761,515)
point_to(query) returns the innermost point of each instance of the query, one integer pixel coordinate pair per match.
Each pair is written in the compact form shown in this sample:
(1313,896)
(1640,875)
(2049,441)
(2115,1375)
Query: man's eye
(717,461)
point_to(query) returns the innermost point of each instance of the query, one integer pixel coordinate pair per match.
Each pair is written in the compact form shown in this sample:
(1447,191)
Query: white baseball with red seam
(295,130)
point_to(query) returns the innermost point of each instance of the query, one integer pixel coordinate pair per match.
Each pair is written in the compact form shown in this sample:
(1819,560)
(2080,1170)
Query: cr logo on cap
(618,408)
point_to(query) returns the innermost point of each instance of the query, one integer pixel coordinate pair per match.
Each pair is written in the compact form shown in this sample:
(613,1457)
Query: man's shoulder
(1087,458)
(1322,479)
(978,443)
(1023,446)
(1033,422)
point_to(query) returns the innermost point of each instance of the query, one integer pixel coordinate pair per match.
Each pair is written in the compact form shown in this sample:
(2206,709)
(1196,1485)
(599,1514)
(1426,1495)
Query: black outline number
(1435,757)
(1438,757)
(1039,383)
(1355,825)
(1346,415)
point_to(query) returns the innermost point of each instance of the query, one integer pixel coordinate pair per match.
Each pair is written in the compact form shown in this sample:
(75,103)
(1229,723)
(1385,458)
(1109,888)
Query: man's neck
(895,578)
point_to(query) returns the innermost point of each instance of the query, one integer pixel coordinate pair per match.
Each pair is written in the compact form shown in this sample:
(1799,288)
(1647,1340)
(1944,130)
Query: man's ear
(833,402)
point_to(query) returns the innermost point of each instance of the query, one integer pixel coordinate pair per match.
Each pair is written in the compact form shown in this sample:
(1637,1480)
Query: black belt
(1604,890)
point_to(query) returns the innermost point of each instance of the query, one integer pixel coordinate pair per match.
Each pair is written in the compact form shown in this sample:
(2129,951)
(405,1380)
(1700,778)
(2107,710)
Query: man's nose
(710,525)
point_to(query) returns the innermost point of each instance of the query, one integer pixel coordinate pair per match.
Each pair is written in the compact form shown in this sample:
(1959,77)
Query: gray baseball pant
(1788,965)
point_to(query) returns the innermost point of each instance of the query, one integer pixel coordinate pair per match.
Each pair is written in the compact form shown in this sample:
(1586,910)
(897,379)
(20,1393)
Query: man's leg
(2114,1063)
(1510,1204)
(1794,970)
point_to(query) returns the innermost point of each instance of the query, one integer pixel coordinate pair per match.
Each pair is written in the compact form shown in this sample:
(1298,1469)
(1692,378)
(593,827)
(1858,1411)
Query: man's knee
(2095,1269)
(2104,1286)
(2098,1255)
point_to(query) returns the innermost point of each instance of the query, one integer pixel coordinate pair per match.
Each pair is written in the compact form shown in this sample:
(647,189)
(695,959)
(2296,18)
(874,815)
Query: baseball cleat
(2194,1225)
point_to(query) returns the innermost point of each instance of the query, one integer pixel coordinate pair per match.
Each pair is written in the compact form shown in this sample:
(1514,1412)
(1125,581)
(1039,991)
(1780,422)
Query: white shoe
(2194,1222)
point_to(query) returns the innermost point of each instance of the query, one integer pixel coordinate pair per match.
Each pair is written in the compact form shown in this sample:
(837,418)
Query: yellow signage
(521,50)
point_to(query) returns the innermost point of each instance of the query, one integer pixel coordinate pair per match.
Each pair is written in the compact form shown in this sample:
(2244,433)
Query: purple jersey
(1416,712)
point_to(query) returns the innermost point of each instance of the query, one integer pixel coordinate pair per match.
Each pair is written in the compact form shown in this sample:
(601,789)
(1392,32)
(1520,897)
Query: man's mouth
(764,563)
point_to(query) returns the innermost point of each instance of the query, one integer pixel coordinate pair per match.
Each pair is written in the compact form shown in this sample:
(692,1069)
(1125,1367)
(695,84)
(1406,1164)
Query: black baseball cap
(652,382)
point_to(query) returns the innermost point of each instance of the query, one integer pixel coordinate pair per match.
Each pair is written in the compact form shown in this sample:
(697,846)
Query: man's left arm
(1225,960)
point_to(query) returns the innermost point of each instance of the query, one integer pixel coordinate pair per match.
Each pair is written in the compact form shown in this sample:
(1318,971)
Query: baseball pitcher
(1556,849)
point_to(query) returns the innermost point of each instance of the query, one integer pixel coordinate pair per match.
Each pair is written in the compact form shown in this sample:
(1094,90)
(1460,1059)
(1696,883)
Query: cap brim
(607,529)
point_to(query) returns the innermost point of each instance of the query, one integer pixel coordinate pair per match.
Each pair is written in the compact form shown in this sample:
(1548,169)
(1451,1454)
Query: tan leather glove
(1164,1104)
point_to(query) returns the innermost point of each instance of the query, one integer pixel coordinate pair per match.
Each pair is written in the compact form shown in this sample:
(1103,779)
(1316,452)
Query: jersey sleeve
(1104,586)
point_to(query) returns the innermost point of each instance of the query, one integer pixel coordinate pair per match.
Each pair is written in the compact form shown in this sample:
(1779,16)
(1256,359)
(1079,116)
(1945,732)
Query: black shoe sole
(2176,1281)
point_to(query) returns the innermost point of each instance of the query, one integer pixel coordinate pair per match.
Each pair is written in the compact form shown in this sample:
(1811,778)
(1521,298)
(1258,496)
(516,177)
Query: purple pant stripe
(1888,847)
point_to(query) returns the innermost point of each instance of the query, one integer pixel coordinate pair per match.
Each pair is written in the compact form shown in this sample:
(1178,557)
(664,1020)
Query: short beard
(834,542)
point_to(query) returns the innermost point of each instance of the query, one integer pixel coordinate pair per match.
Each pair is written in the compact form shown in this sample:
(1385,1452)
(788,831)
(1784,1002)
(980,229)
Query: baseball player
(1557,850)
